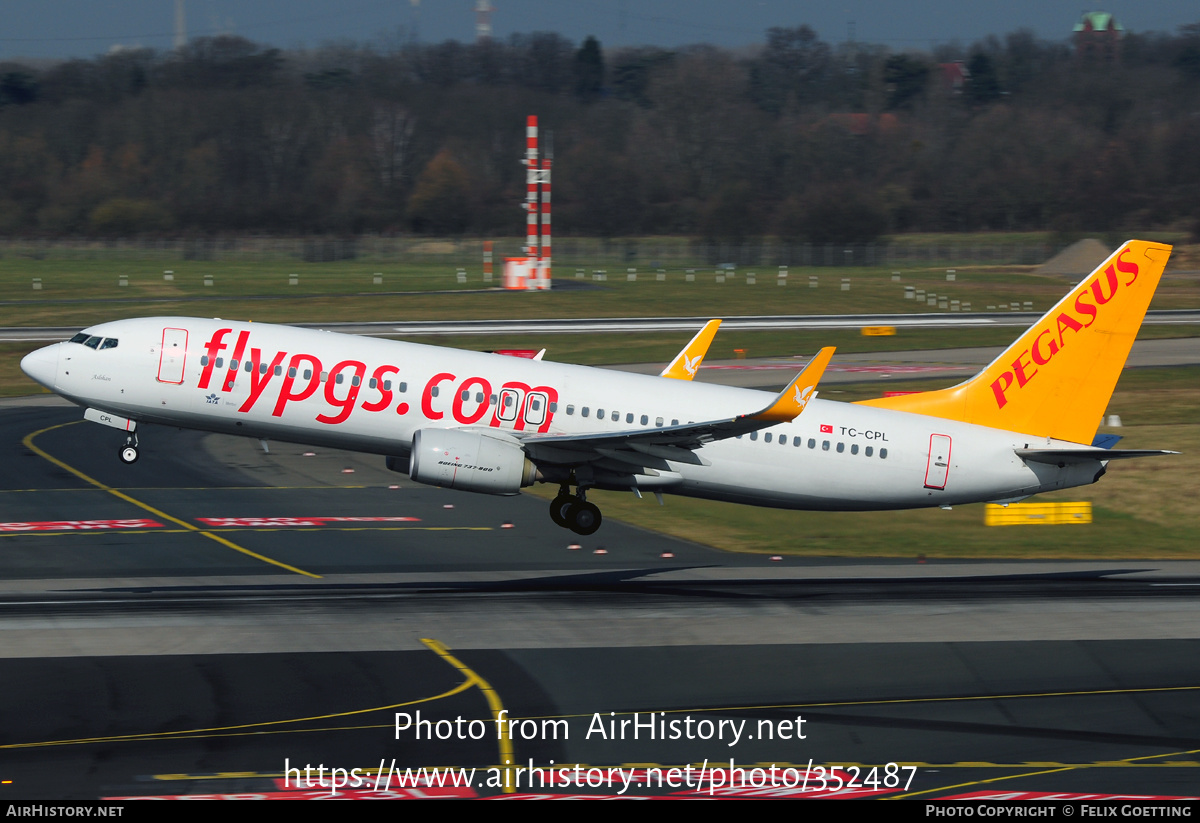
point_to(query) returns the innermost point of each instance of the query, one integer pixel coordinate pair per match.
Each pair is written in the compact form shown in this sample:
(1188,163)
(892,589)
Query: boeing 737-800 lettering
(494,424)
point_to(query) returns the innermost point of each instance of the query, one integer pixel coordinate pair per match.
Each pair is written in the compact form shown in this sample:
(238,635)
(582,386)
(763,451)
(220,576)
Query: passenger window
(646,421)
(356,380)
(616,416)
(674,421)
(824,445)
(220,362)
(478,397)
(841,447)
(434,392)
(292,372)
(278,370)
(247,367)
(338,380)
(812,444)
(570,409)
(629,418)
(536,404)
(783,439)
(870,450)
(403,387)
(854,448)
(767,437)
(233,365)
(372,383)
(753,435)
(658,421)
(262,368)
(883,454)
(553,407)
(599,414)
(204,360)
(387,384)
(584,411)
(307,373)
(466,395)
(109,343)
(325,379)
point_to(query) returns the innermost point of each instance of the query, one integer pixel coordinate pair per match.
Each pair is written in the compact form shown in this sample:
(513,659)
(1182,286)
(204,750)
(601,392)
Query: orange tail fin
(1056,380)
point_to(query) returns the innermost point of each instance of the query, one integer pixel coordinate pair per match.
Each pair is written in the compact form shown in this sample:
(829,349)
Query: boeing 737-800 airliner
(494,424)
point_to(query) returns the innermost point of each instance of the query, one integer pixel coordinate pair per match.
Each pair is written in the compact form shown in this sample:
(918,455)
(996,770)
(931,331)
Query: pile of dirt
(1076,260)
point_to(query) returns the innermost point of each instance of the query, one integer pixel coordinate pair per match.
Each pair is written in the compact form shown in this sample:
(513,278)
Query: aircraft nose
(42,365)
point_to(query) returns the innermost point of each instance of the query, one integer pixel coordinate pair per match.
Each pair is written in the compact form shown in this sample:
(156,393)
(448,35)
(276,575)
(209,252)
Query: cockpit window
(109,343)
(92,342)
(79,338)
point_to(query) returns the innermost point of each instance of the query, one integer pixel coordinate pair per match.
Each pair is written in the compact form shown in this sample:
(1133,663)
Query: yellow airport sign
(878,331)
(1036,514)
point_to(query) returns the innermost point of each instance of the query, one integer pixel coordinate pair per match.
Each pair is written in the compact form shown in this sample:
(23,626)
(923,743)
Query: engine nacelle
(470,461)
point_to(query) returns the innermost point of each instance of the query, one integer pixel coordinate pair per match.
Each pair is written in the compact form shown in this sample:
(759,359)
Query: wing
(644,451)
(687,362)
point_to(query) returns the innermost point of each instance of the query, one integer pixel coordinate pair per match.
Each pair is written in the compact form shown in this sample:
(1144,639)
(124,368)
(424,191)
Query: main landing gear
(129,452)
(574,512)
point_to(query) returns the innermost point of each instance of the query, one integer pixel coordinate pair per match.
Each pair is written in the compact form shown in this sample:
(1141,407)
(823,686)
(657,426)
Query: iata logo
(212,399)
(1049,341)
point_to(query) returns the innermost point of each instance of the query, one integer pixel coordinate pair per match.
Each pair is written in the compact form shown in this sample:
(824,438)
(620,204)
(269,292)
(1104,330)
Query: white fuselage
(377,393)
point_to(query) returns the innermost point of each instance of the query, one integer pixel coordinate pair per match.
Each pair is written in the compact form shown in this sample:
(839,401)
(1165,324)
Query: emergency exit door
(938,468)
(171,356)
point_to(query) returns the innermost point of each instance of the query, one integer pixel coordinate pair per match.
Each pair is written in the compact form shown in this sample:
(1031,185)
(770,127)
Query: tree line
(798,138)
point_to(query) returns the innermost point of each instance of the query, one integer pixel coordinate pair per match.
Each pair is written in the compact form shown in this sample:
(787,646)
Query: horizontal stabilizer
(1063,457)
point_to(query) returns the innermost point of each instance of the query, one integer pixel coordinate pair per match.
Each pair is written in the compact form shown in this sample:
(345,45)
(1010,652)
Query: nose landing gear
(129,452)
(574,512)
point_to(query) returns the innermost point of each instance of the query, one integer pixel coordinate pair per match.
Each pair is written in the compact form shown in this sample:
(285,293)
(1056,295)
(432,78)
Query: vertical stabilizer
(1057,379)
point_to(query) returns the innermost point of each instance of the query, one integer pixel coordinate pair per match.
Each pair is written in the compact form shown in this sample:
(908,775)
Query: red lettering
(997,389)
(235,360)
(213,346)
(1085,308)
(1070,322)
(259,381)
(313,380)
(346,404)
(1019,367)
(385,394)
(481,409)
(427,395)
(1127,268)
(1098,287)
(1038,357)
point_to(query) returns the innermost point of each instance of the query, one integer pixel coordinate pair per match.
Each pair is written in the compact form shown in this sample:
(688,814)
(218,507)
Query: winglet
(687,362)
(792,400)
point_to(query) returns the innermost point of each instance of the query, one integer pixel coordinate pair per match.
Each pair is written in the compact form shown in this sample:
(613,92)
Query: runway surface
(199,621)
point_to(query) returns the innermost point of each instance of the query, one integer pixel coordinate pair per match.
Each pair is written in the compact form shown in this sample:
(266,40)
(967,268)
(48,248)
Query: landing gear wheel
(583,518)
(558,510)
(129,455)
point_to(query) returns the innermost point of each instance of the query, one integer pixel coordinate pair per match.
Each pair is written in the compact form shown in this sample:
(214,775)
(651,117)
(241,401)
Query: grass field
(76,293)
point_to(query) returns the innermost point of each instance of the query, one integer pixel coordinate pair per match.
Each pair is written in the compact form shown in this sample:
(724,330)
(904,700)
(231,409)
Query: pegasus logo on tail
(802,397)
(690,364)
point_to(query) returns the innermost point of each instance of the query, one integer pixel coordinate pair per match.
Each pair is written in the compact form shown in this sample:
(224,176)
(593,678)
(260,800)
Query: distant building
(953,76)
(1098,37)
